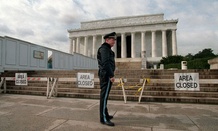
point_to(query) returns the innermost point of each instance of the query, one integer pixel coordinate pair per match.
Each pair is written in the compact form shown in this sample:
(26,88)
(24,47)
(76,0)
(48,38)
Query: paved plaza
(37,113)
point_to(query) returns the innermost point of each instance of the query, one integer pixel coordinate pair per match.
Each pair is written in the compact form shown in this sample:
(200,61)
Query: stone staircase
(128,65)
(154,92)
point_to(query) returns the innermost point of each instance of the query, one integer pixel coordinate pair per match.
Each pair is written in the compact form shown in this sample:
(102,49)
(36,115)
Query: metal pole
(124,94)
(142,90)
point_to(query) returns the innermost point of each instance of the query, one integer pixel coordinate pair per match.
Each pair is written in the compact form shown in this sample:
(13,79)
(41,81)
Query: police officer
(106,64)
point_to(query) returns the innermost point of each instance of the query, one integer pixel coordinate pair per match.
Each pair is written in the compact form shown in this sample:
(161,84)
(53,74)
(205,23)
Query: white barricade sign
(21,79)
(187,81)
(85,80)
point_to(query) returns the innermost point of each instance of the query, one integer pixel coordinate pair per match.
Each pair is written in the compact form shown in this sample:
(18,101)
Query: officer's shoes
(108,123)
(110,117)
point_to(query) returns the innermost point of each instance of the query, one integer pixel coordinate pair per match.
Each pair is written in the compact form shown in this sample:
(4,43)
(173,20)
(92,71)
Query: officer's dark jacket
(106,62)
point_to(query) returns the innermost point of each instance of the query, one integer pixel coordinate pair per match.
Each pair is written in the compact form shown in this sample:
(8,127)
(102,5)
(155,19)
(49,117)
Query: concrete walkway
(37,113)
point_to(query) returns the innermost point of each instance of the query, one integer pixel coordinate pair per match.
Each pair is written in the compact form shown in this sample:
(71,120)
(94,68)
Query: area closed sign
(187,81)
(85,80)
(21,79)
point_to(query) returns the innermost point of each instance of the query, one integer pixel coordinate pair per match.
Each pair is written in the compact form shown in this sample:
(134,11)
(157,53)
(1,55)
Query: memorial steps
(162,91)
(128,65)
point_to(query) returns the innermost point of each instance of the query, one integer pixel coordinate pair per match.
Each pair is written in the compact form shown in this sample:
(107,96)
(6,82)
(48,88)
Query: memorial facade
(142,37)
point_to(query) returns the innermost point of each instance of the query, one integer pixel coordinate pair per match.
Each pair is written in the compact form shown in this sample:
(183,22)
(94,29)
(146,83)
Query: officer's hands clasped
(112,79)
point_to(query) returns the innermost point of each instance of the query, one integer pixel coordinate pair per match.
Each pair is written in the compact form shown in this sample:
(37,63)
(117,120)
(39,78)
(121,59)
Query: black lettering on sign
(84,77)
(22,81)
(85,83)
(20,76)
(185,78)
(187,85)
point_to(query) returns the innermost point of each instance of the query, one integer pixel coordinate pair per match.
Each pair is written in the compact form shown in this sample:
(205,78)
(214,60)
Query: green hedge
(192,64)
(199,64)
(176,65)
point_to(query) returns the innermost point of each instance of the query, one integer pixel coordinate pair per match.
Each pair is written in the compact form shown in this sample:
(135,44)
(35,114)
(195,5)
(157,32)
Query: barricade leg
(123,89)
(56,88)
(48,85)
(143,86)
(5,86)
(53,86)
(1,83)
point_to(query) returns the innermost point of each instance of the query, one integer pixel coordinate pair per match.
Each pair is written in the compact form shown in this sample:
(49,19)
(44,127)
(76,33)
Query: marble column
(114,49)
(102,39)
(71,46)
(78,45)
(123,45)
(89,53)
(133,44)
(164,43)
(74,45)
(143,48)
(93,47)
(143,51)
(153,44)
(174,44)
(85,46)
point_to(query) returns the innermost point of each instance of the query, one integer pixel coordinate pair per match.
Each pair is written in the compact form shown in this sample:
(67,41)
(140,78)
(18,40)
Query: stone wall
(213,63)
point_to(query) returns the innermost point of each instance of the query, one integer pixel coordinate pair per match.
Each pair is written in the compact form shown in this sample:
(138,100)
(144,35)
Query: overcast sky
(45,22)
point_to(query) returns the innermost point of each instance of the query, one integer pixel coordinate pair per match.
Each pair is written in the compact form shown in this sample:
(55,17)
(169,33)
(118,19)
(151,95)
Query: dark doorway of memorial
(128,46)
(118,47)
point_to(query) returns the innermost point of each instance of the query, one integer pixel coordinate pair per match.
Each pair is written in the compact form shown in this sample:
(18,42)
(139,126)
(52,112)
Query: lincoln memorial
(141,37)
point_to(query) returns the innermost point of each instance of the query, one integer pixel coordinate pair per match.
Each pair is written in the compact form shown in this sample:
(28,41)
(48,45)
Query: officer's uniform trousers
(105,85)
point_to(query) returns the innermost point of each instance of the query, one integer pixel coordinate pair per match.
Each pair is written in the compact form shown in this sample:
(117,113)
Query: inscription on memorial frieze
(122,21)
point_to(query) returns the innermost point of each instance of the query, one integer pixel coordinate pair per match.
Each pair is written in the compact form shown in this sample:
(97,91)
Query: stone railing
(213,63)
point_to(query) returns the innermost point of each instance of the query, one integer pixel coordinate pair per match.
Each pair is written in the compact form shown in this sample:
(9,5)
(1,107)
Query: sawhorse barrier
(141,89)
(5,79)
(52,88)
(147,81)
(52,84)
(171,81)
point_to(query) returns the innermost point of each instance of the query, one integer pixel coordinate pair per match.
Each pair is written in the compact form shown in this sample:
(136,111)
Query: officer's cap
(110,35)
